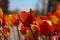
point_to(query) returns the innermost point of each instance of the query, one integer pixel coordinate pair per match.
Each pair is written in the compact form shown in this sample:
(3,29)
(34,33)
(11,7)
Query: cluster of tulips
(32,26)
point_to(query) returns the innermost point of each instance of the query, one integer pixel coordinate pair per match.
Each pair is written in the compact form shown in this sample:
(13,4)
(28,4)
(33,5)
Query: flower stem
(0,38)
(18,33)
(32,33)
(3,35)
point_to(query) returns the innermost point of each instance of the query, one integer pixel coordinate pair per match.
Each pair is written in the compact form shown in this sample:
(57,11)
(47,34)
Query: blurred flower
(6,31)
(47,28)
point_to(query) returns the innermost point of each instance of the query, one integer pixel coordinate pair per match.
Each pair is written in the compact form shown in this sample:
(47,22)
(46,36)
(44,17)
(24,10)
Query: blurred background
(40,7)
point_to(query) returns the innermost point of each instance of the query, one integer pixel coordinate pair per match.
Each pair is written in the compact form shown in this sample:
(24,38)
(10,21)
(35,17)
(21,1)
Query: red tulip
(47,28)
(4,20)
(27,18)
(6,31)
(1,21)
(23,30)
(23,16)
(49,15)
(30,18)
(57,27)
(43,17)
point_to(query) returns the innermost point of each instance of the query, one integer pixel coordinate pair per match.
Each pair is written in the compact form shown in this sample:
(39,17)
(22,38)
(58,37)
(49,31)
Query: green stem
(0,38)
(18,33)
(3,35)
(32,33)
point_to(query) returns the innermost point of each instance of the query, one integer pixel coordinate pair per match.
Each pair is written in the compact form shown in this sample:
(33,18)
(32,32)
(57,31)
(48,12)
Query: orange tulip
(1,17)
(1,13)
(9,22)
(54,19)
(35,27)
(12,20)
(38,20)
(57,12)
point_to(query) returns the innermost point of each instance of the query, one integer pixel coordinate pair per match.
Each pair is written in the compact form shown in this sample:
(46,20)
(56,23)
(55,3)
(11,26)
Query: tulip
(6,31)
(47,28)
(1,17)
